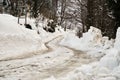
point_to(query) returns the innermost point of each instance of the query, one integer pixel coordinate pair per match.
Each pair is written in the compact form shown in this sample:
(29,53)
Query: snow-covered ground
(16,41)
(92,42)
(25,55)
(106,51)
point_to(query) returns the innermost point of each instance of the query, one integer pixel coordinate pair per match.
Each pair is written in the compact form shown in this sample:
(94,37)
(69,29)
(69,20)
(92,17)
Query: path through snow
(57,61)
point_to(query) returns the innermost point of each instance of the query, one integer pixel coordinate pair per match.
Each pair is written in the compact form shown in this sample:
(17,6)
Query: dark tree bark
(98,16)
(54,9)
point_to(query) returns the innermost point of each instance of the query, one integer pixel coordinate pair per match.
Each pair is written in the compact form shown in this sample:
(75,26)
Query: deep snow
(107,51)
(16,41)
(19,46)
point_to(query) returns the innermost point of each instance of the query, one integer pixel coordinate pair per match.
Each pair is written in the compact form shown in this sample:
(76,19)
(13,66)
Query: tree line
(103,14)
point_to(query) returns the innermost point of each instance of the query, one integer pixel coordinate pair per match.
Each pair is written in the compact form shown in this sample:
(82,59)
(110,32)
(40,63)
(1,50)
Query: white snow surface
(16,40)
(92,42)
(111,59)
(117,40)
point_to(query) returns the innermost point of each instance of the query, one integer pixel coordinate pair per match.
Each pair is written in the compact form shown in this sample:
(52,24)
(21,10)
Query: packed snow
(92,42)
(117,40)
(16,41)
(26,55)
(96,45)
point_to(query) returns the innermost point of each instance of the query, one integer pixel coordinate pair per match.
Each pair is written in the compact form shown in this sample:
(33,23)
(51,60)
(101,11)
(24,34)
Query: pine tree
(98,15)
(114,9)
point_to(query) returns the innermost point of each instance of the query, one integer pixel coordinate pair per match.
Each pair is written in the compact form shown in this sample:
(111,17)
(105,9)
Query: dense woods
(103,14)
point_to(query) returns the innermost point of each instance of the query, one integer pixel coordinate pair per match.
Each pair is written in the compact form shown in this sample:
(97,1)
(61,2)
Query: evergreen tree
(98,15)
(47,8)
(114,6)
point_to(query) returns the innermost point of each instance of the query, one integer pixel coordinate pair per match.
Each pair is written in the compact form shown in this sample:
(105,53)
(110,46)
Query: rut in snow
(79,58)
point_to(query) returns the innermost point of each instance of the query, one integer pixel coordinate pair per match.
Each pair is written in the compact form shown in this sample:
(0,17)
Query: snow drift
(17,41)
(117,40)
(91,41)
(107,51)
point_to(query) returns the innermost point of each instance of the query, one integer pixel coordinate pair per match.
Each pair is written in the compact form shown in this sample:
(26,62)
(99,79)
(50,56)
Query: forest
(103,14)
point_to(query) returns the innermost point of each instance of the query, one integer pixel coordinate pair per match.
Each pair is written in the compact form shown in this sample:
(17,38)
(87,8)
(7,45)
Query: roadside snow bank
(17,41)
(8,24)
(111,59)
(107,68)
(92,42)
(117,40)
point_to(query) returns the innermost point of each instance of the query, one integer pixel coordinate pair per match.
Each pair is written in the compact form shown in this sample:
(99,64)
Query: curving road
(32,68)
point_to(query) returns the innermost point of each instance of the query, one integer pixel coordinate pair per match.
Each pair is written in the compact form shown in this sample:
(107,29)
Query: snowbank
(107,68)
(111,59)
(117,40)
(8,24)
(92,42)
(89,39)
(17,40)
(108,65)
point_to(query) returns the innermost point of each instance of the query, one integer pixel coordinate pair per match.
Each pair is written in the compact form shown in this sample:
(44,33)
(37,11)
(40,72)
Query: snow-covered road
(57,61)
(25,55)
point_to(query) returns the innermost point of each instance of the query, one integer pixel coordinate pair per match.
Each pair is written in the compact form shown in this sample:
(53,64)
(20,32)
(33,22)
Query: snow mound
(92,38)
(111,60)
(93,35)
(92,42)
(17,41)
(8,24)
(106,51)
(117,40)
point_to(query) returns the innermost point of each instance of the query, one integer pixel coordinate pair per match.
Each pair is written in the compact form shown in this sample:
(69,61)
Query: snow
(16,41)
(8,23)
(111,59)
(51,78)
(89,39)
(70,40)
(21,49)
(99,47)
(92,42)
(117,40)
(22,56)
(108,78)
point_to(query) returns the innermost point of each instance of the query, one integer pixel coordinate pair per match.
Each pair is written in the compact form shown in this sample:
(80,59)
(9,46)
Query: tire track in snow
(79,58)
(45,52)
(10,67)
(31,54)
